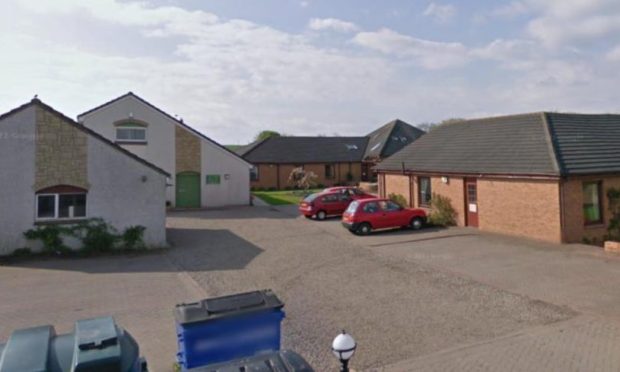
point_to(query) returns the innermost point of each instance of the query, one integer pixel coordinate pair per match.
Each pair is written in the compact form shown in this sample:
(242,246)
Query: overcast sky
(231,68)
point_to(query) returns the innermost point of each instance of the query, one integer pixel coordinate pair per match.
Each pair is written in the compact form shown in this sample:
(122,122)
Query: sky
(231,68)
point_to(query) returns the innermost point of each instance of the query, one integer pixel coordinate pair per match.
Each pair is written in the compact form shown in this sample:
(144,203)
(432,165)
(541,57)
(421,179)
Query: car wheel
(416,223)
(364,229)
(321,215)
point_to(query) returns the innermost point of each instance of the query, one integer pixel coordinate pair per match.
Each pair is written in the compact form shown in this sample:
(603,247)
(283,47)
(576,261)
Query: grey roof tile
(299,150)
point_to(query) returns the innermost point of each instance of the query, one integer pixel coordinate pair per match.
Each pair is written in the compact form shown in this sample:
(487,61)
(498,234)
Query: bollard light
(343,348)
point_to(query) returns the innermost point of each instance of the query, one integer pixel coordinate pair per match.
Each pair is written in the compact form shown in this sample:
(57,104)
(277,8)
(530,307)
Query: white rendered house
(204,173)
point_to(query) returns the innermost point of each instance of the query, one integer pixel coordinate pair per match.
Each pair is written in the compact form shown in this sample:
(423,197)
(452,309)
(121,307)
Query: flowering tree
(302,179)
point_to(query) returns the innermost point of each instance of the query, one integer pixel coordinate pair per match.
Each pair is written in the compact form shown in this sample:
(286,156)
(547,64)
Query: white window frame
(143,129)
(57,207)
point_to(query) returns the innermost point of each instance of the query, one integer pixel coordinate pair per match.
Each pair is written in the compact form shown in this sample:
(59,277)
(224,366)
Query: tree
(429,126)
(302,179)
(267,134)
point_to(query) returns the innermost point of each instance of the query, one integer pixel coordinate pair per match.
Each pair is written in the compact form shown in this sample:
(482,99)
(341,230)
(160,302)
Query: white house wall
(160,150)
(160,147)
(125,192)
(17,162)
(234,175)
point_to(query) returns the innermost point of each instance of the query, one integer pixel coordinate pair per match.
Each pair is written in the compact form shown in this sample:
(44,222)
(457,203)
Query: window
(329,171)
(254,173)
(424,191)
(131,134)
(213,179)
(331,198)
(61,206)
(371,207)
(592,202)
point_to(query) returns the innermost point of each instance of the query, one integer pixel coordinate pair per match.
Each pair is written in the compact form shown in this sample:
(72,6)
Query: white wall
(232,191)
(160,151)
(160,148)
(17,168)
(119,195)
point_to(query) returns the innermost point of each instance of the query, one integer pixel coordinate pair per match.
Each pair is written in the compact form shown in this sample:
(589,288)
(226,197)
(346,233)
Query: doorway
(188,190)
(471,202)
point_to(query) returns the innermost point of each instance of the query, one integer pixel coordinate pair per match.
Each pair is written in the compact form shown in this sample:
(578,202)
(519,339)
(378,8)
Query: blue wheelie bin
(221,329)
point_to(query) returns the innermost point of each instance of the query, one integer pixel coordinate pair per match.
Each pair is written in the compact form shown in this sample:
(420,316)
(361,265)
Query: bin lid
(227,306)
(281,361)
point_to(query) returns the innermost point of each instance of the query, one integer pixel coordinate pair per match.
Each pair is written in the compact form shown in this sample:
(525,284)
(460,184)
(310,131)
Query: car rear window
(371,207)
(310,198)
(353,206)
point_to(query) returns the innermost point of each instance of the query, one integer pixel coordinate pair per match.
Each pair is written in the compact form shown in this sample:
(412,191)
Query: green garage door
(188,190)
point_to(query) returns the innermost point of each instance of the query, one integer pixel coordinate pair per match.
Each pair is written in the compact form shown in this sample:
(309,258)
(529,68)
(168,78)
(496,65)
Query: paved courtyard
(450,299)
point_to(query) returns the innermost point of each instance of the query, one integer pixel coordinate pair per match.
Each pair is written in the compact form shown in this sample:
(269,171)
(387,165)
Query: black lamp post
(343,348)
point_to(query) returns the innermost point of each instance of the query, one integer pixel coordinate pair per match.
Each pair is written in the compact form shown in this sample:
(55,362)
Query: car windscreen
(310,198)
(352,207)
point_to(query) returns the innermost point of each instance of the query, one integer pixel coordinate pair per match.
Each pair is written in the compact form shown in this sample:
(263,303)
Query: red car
(324,204)
(354,192)
(364,216)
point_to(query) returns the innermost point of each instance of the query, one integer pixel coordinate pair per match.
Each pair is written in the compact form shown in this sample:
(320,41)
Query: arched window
(131,131)
(61,202)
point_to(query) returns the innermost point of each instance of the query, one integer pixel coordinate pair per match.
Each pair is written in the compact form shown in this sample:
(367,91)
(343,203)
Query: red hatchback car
(364,216)
(354,192)
(325,204)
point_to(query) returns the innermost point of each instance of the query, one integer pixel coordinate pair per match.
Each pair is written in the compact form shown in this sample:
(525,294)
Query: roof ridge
(88,131)
(489,118)
(551,144)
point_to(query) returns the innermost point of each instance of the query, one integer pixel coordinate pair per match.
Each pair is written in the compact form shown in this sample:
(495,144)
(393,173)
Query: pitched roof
(544,144)
(177,121)
(294,150)
(390,138)
(586,144)
(90,132)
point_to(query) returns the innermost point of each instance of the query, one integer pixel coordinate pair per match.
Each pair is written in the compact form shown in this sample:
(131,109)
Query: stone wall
(187,145)
(61,154)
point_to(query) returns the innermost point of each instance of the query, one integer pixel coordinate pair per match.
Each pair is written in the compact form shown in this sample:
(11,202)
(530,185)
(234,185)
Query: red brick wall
(526,208)
(268,174)
(574,228)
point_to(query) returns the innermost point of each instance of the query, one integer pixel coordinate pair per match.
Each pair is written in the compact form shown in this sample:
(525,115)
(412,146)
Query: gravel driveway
(329,281)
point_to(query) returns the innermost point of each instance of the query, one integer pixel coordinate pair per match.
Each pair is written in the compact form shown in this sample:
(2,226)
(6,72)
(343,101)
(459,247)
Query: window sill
(65,221)
(143,143)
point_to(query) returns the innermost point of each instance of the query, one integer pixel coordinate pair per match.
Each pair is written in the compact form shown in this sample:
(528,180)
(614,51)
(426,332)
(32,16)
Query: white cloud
(566,22)
(614,54)
(319,24)
(512,9)
(429,54)
(441,13)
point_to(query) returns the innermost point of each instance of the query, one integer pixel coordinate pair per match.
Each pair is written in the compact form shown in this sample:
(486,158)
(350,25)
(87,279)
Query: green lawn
(283,197)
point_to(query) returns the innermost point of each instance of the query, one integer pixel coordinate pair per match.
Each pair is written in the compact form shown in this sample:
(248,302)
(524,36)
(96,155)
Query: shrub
(96,235)
(398,199)
(50,236)
(272,189)
(442,212)
(302,179)
(320,186)
(613,229)
(22,252)
(133,237)
(349,177)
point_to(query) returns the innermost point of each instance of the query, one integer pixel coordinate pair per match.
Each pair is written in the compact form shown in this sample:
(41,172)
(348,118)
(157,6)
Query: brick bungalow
(539,175)
(335,160)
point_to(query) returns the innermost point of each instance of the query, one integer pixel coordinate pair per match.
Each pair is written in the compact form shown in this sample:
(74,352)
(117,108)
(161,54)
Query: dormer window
(131,131)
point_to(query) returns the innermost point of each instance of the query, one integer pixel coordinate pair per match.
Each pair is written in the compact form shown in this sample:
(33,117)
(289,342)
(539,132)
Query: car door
(330,203)
(372,213)
(344,200)
(392,214)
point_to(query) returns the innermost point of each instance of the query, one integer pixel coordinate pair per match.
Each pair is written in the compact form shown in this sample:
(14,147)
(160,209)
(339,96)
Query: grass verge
(283,197)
